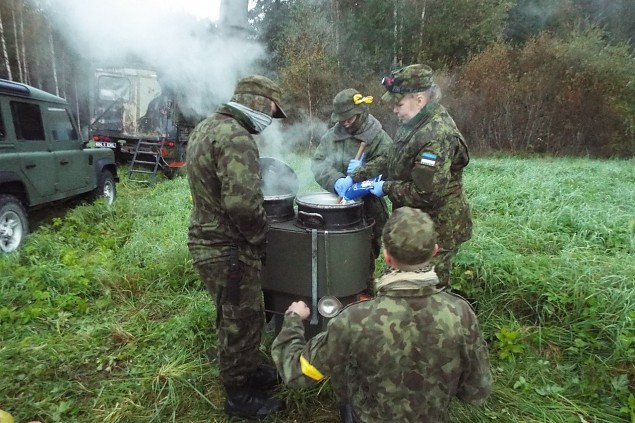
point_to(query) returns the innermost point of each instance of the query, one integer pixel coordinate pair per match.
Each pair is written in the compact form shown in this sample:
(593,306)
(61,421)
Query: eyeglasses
(394,86)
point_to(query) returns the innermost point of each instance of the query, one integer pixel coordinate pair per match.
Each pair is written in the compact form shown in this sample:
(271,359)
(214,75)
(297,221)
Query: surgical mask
(258,119)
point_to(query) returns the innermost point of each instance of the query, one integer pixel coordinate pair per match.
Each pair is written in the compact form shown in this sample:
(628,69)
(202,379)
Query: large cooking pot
(279,185)
(322,210)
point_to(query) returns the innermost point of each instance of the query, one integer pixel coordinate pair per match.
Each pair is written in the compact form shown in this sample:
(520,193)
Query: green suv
(43,160)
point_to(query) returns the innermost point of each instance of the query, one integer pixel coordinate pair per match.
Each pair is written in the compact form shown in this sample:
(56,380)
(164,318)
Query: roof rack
(14,87)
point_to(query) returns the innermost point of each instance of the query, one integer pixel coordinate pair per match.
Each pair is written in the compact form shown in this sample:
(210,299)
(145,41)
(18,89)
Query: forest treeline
(541,76)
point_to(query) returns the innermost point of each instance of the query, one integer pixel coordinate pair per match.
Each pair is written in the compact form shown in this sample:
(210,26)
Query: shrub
(571,96)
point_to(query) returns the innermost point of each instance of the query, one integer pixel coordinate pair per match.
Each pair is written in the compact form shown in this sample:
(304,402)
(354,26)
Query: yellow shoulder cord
(310,371)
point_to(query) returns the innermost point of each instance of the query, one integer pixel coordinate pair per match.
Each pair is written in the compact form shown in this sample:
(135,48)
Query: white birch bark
(53,62)
(5,53)
(16,43)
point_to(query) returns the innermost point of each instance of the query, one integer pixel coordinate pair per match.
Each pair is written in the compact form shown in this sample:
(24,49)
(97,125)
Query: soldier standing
(425,167)
(335,168)
(399,357)
(227,237)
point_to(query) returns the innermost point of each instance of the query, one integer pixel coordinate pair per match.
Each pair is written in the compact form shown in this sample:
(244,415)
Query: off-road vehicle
(43,160)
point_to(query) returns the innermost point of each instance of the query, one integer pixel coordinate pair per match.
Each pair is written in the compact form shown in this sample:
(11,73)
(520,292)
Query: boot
(246,403)
(263,378)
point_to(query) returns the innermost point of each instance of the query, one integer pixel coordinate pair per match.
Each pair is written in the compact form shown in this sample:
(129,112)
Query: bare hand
(300,308)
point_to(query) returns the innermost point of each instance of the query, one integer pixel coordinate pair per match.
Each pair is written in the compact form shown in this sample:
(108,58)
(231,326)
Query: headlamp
(329,306)
(393,85)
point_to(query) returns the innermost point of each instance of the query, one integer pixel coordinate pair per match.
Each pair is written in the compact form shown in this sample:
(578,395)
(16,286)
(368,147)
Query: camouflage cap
(264,87)
(410,79)
(409,236)
(345,106)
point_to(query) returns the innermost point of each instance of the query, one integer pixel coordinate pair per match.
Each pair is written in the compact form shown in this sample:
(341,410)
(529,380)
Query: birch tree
(5,53)
(16,43)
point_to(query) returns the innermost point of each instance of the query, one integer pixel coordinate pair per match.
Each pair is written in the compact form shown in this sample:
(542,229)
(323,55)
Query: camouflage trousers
(443,265)
(239,318)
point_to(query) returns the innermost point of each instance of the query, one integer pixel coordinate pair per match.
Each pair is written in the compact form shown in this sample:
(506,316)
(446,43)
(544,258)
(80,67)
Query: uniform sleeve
(324,164)
(376,158)
(241,194)
(476,380)
(302,364)
(430,176)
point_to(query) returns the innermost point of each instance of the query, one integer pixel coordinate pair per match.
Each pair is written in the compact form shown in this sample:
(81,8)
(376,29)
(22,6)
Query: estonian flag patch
(428,159)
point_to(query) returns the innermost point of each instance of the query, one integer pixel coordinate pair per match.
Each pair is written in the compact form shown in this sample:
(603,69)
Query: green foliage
(509,343)
(555,96)
(102,317)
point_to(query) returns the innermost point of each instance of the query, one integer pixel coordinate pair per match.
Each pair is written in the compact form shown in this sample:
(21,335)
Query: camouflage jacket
(425,170)
(400,357)
(337,147)
(224,176)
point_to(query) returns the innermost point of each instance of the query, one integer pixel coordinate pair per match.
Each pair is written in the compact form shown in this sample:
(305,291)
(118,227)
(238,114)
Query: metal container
(307,264)
(322,249)
(279,185)
(322,210)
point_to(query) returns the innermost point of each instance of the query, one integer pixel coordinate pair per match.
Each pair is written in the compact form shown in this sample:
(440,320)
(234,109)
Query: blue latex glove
(342,184)
(360,189)
(378,189)
(354,164)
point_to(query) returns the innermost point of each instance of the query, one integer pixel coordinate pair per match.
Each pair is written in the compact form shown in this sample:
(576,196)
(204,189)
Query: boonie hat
(409,236)
(264,87)
(348,103)
(410,79)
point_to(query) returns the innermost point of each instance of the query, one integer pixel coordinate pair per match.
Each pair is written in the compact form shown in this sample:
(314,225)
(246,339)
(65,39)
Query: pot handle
(305,216)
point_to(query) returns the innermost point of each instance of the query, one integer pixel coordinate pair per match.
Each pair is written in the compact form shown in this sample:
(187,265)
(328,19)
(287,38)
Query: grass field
(103,319)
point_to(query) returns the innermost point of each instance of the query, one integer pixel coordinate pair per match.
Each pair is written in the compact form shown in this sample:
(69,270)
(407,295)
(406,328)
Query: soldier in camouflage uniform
(335,168)
(402,356)
(227,237)
(425,167)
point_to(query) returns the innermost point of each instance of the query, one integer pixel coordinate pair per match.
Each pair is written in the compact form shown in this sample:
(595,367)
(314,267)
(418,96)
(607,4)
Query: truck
(138,117)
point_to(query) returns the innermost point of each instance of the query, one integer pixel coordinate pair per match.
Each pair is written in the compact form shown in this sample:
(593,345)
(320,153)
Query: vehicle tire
(13,223)
(106,188)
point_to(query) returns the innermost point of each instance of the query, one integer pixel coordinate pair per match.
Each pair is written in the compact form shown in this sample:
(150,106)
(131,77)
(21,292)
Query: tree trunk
(5,53)
(17,43)
(53,63)
(395,34)
(336,12)
(27,79)
(423,19)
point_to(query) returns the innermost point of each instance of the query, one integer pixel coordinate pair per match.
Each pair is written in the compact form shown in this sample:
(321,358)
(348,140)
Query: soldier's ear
(390,261)
(436,250)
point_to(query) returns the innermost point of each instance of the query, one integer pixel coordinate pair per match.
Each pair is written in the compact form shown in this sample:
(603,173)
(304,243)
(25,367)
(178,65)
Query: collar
(400,283)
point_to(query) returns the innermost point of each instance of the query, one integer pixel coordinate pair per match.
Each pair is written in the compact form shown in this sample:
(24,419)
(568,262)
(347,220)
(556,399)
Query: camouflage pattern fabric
(330,160)
(409,236)
(425,171)
(407,80)
(400,357)
(224,177)
(239,326)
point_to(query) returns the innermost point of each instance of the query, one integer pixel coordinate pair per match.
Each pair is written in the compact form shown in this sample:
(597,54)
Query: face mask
(258,119)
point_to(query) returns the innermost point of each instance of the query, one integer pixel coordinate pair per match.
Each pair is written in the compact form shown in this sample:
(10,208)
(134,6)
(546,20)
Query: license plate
(105,144)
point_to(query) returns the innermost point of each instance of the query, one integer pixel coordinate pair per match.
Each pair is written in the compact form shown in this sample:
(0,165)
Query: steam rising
(190,54)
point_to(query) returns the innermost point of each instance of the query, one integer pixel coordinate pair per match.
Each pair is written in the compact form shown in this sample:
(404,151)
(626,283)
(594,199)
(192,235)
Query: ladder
(145,162)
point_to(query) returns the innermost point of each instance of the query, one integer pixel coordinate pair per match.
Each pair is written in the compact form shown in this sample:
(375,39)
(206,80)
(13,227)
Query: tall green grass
(102,317)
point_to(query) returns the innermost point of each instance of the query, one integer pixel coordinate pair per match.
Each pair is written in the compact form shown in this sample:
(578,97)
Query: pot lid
(277,178)
(325,200)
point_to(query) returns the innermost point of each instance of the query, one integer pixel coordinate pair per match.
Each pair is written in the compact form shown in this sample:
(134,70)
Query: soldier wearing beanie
(227,237)
(402,356)
(425,165)
(335,168)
